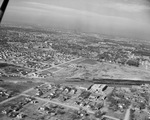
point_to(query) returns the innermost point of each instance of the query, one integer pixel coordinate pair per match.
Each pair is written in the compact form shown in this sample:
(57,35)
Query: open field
(93,69)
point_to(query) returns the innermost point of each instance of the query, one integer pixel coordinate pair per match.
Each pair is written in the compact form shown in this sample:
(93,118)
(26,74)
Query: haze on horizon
(129,18)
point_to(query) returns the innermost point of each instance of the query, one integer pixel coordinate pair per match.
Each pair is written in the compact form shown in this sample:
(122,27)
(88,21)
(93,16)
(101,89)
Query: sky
(129,18)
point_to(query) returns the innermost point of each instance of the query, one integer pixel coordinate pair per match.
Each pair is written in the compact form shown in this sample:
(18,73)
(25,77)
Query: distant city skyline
(129,18)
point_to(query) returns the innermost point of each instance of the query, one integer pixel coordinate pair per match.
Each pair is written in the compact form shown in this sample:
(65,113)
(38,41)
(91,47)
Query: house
(7,111)
(82,104)
(67,89)
(2,93)
(93,97)
(17,108)
(41,108)
(29,99)
(49,86)
(34,101)
(39,93)
(21,115)
(33,75)
(73,91)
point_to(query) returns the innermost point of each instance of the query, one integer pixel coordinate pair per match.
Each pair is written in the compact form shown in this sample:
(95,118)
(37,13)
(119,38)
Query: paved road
(59,103)
(7,100)
(110,117)
(127,115)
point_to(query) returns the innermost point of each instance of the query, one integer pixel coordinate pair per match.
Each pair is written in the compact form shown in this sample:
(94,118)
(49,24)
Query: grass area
(32,92)
(15,78)
(2,65)
(2,98)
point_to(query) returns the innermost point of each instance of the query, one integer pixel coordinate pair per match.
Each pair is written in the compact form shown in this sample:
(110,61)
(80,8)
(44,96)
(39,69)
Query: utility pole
(3,8)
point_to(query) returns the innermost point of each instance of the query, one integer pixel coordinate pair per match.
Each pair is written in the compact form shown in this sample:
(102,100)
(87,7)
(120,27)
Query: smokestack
(3,8)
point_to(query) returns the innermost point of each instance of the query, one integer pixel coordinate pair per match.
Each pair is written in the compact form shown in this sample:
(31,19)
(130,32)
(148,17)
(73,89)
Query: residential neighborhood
(55,75)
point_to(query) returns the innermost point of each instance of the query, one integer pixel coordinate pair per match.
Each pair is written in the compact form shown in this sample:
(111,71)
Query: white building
(98,88)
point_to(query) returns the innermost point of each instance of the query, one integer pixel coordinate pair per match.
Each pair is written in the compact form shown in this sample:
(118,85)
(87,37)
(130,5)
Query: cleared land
(92,69)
